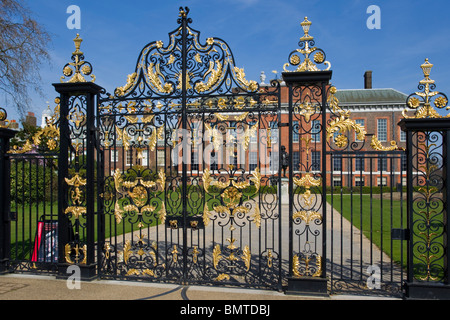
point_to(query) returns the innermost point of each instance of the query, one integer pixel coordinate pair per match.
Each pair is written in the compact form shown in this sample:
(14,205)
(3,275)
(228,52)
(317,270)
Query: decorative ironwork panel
(190,194)
(307,180)
(428,229)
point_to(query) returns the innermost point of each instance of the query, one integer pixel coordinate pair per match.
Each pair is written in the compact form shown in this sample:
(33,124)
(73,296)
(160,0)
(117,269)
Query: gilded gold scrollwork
(216,74)
(251,85)
(154,74)
(342,123)
(77,183)
(78,253)
(79,68)
(378,146)
(307,65)
(422,101)
(131,81)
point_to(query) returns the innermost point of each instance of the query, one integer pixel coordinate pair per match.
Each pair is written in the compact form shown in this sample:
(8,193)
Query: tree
(23,47)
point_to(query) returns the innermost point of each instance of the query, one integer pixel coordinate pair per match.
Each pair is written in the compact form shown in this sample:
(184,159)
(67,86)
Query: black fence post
(428,196)
(77,178)
(5,199)
(77,168)
(311,283)
(308,93)
(428,134)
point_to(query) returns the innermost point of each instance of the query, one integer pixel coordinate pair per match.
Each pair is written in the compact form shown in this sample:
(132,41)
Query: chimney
(13,125)
(368,80)
(30,119)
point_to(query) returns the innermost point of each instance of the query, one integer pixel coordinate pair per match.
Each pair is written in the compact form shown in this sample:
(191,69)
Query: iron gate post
(306,284)
(428,191)
(5,200)
(76,193)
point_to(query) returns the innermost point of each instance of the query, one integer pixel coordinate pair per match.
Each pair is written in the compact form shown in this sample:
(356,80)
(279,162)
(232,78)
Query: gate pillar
(308,89)
(77,198)
(307,259)
(5,199)
(428,191)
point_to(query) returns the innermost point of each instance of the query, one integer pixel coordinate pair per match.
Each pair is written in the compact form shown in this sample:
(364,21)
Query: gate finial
(184,12)
(421,101)
(307,48)
(82,68)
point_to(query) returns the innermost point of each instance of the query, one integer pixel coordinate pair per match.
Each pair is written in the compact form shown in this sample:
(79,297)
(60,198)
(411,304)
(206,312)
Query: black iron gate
(367,199)
(192,174)
(191,178)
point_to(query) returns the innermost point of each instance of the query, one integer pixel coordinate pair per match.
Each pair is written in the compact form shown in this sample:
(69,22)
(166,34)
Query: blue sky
(261,34)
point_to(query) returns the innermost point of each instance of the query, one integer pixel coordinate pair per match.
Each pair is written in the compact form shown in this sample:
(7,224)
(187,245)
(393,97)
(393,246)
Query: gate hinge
(400,234)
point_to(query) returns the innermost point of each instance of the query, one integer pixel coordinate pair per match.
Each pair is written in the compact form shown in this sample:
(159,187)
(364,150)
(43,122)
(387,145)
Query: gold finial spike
(77,42)
(306,25)
(426,68)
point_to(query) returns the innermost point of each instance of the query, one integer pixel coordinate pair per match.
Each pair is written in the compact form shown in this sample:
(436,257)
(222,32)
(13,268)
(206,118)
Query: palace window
(382,130)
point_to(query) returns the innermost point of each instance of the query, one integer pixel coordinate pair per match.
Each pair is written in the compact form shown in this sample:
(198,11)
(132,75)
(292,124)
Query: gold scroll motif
(137,191)
(232,204)
(231,193)
(77,253)
(154,74)
(131,80)
(141,253)
(308,270)
(342,123)
(215,75)
(378,146)
(157,134)
(4,122)
(307,215)
(307,181)
(77,209)
(307,109)
(239,74)
(49,134)
(232,257)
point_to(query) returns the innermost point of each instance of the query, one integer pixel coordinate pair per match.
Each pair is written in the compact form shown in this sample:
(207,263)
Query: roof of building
(371,96)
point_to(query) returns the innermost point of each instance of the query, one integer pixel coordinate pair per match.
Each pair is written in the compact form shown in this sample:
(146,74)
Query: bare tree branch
(23,48)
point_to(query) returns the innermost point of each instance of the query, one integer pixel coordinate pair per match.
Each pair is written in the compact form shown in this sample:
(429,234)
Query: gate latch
(400,234)
(12,216)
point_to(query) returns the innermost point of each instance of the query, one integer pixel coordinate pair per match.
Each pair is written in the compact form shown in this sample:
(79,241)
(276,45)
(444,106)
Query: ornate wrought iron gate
(190,192)
(180,176)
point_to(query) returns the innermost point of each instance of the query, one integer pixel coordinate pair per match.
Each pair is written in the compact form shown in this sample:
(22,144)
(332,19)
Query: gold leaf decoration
(216,256)
(251,86)
(154,75)
(247,256)
(131,79)
(307,216)
(213,79)
(378,146)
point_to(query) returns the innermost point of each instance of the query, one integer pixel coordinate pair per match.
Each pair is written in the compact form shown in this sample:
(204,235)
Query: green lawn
(375,218)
